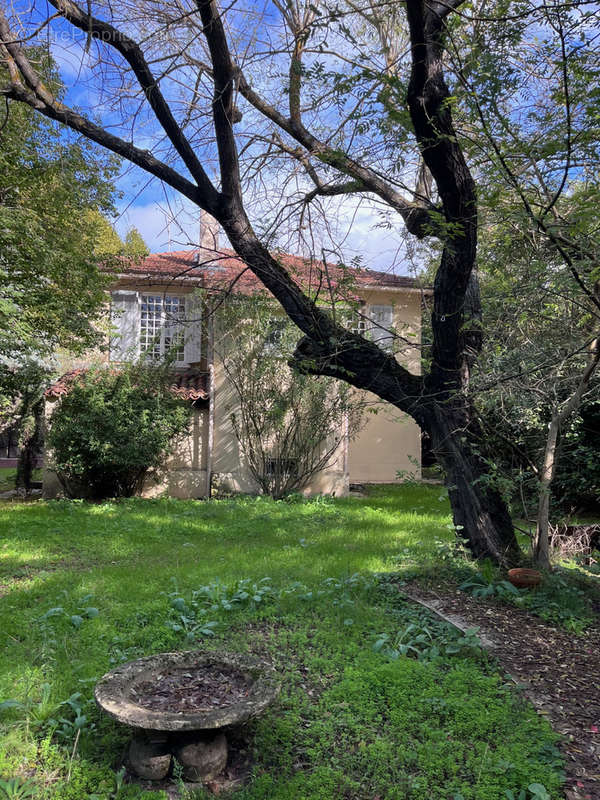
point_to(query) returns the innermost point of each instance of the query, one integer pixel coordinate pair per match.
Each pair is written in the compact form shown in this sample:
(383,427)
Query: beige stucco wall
(185,472)
(389,441)
(229,468)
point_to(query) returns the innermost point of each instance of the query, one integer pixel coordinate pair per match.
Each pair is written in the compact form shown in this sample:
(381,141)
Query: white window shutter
(382,321)
(125,319)
(193,329)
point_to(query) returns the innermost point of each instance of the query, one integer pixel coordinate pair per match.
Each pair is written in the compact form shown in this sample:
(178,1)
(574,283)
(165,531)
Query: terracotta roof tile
(221,269)
(192,385)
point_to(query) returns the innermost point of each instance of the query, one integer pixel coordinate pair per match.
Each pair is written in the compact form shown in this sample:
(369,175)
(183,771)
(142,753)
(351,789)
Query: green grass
(8,476)
(351,723)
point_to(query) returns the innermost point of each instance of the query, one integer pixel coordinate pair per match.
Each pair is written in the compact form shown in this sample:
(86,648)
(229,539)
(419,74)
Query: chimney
(209,232)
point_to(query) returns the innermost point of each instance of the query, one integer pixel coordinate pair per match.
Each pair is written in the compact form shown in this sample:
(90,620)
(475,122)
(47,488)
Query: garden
(380,697)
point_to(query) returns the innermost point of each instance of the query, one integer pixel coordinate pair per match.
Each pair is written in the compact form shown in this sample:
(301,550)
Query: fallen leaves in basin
(189,691)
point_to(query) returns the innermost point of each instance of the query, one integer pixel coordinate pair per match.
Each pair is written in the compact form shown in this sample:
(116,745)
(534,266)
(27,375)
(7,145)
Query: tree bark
(541,548)
(479,511)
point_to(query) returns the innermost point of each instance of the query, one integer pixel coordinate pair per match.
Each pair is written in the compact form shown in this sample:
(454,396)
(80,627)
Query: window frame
(167,327)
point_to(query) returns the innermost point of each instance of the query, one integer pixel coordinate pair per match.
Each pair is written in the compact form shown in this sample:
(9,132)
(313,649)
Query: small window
(358,323)
(274,336)
(381,328)
(280,467)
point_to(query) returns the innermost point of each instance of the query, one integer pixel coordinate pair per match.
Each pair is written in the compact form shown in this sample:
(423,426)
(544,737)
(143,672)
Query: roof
(191,385)
(224,269)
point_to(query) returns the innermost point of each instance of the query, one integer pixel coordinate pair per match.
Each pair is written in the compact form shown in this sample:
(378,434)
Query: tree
(289,425)
(351,131)
(48,184)
(539,192)
(135,246)
(108,245)
(538,367)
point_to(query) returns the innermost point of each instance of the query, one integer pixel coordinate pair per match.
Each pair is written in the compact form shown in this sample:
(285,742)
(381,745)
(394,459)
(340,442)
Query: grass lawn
(86,587)
(9,474)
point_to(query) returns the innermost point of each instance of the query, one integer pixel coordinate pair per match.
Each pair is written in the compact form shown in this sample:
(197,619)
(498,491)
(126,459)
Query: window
(358,323)
(274,336)
(156,326)
(162,319)
(382,321)
(279,467)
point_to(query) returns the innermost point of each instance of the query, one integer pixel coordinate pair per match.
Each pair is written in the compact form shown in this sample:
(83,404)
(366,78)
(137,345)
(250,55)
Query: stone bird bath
(181,704)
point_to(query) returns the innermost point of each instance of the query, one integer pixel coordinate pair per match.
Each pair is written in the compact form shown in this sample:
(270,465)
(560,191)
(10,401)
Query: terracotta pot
(524,578)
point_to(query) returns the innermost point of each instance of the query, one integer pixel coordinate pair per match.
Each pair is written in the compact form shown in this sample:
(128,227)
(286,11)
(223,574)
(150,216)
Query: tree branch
(132,53)
(420,217)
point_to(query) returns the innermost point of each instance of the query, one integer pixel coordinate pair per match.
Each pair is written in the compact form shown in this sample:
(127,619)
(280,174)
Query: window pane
(382,319)
(174,339)
(162,326)
(150,325)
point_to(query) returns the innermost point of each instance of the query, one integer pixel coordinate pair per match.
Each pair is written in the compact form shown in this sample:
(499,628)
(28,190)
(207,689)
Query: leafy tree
(135,246)
(48,183)
(108,245)
(366,93)
(107,242)
(112,428)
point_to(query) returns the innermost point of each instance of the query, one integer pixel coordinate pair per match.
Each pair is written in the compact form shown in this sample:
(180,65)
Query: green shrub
(112,427)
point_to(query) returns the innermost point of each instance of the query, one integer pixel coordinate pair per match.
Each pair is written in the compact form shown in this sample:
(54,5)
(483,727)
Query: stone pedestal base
(202,755)
(150,756)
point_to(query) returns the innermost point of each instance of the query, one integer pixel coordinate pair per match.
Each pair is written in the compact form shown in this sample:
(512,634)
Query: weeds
(17,789)
(427,642)
(556,600)
(349,722)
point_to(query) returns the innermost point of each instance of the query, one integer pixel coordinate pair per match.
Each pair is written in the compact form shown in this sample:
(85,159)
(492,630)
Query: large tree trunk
(479,511)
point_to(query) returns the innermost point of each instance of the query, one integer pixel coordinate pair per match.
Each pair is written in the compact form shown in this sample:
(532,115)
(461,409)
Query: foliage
(426,642)
(21,409)
(112,427)
(48,183)
(577,482)
(135,246)
(558,599)
(289,425)
(108,245)
(404,728)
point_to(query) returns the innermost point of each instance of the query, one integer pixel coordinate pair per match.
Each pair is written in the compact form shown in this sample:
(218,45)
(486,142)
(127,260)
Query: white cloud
(163,227)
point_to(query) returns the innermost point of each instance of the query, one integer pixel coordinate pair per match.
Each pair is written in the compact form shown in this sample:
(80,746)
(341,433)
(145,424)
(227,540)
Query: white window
(358,323)
(156,326)
(162,326)
(381,328)
(274,335)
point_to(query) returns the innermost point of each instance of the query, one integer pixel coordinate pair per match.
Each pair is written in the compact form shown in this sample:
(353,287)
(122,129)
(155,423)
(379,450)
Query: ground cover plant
(379,698)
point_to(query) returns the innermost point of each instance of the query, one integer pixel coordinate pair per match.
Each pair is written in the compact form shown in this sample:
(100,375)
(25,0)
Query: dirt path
(561,672)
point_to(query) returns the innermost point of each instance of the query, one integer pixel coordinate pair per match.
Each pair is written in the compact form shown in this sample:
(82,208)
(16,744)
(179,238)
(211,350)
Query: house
(156,307)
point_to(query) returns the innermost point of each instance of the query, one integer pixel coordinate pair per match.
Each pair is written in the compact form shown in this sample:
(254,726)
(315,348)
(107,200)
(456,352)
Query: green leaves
(112,427)
(427,640)
(76,619)
(48,183)
(535,791)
